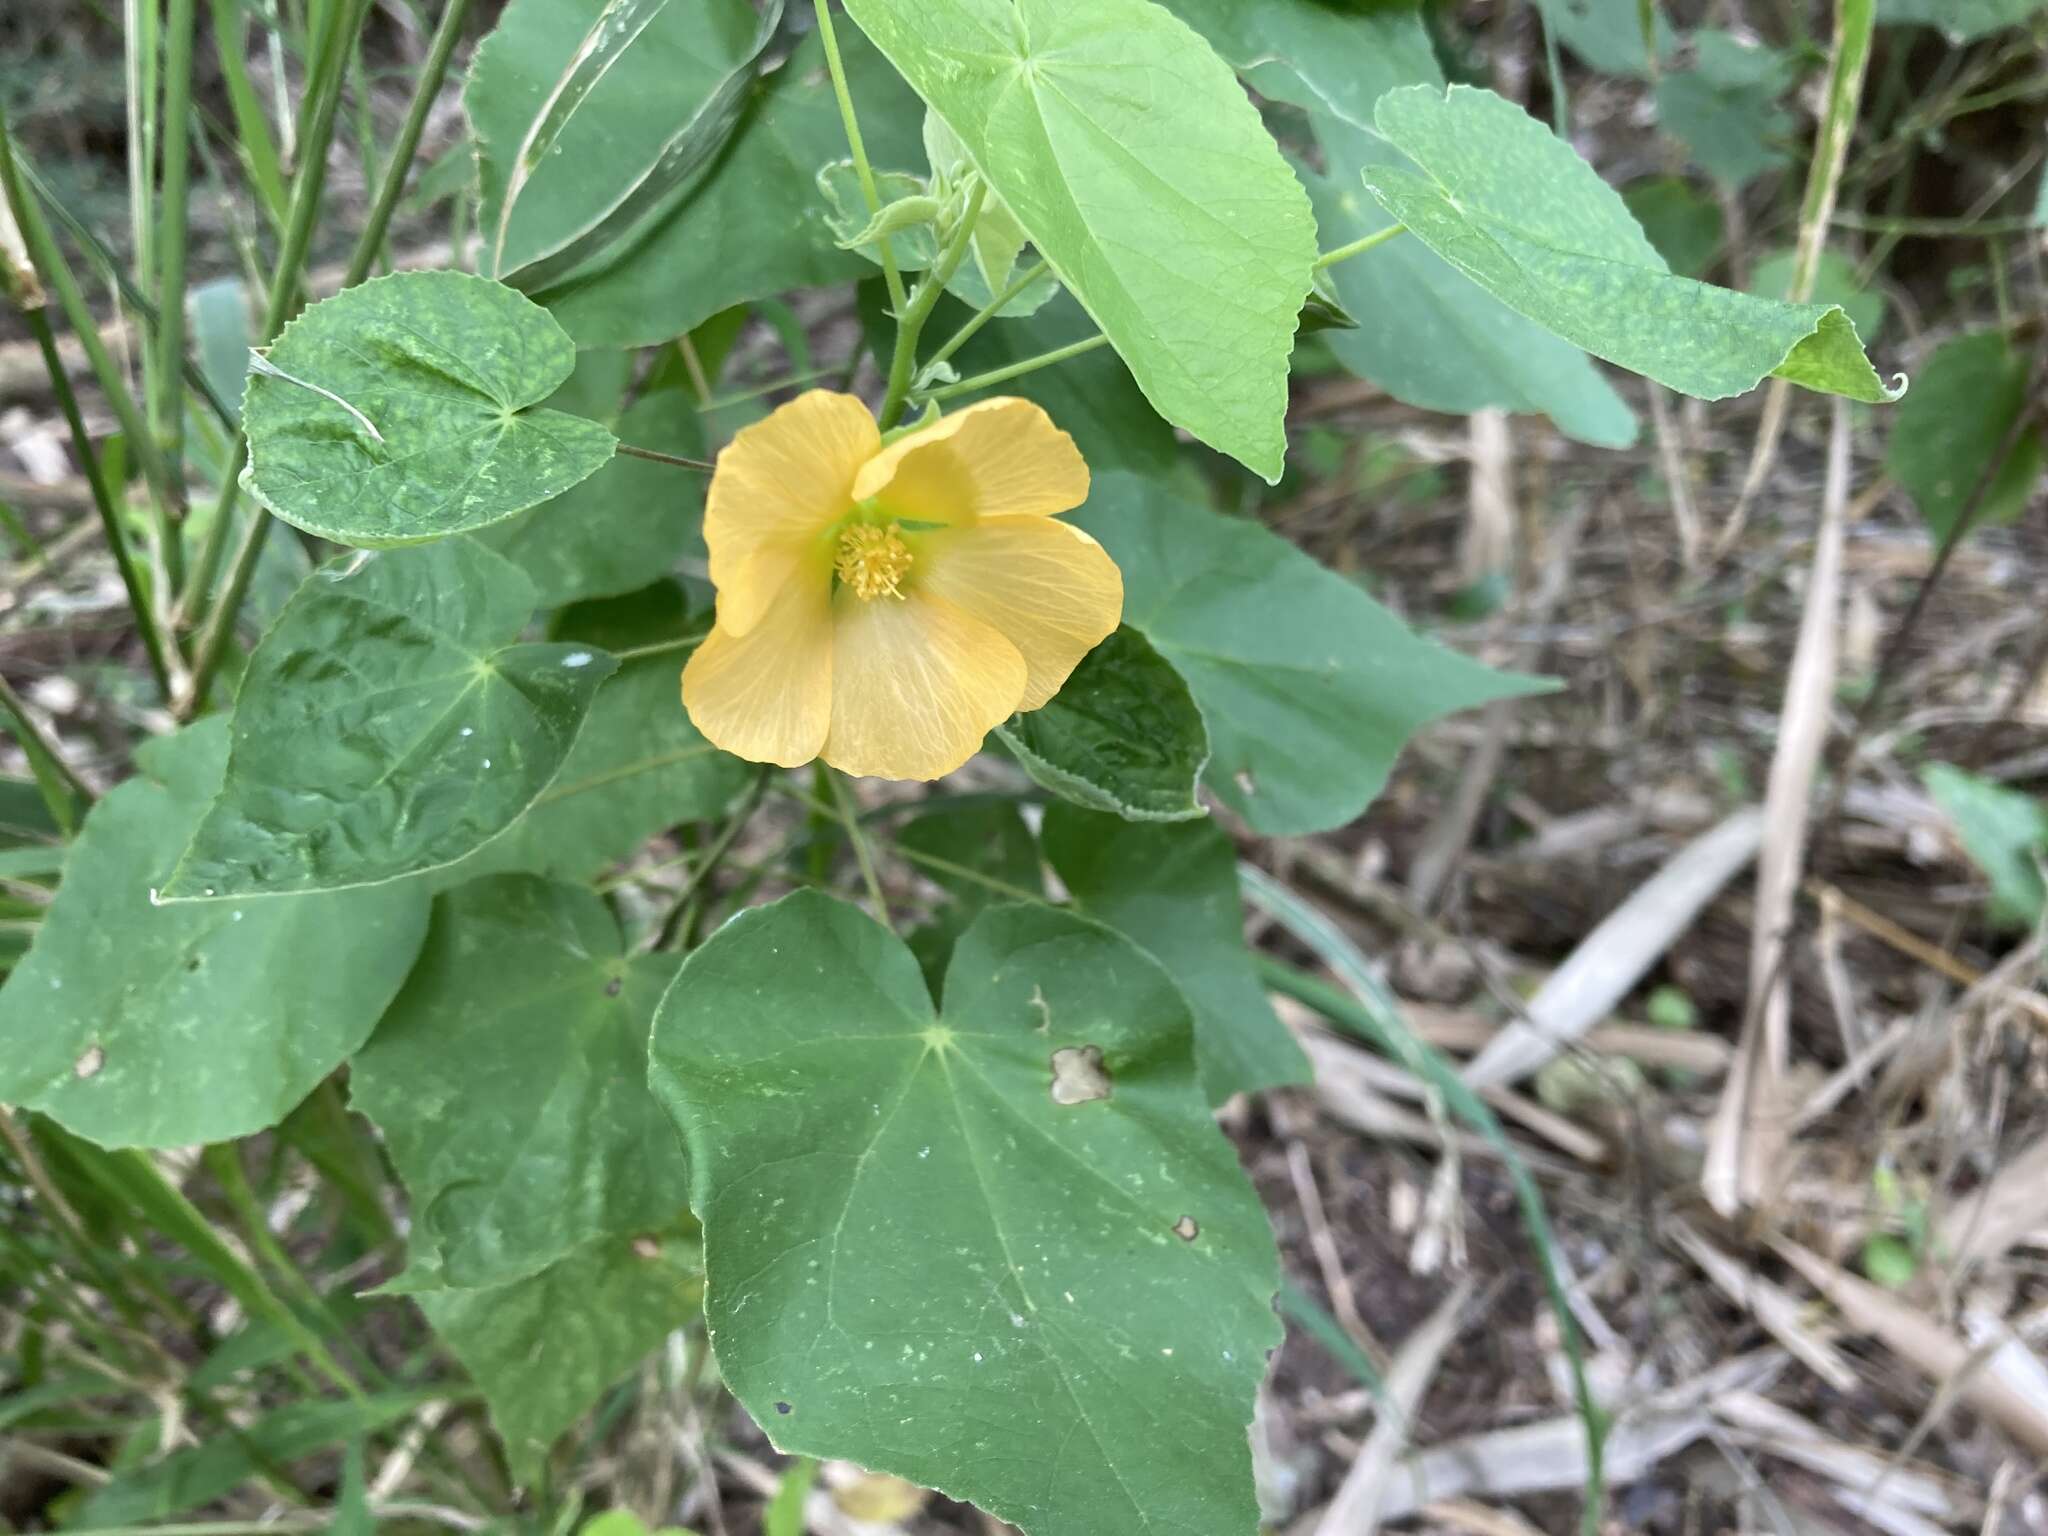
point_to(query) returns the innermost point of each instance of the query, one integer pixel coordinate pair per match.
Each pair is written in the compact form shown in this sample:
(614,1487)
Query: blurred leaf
(140,1025)
(1963,403)
(2004,832)
(1834,282)
(390,723)
(1725,108)
(1333,58)
(1172,891)
(1516,209)
(1428,334)
(951,841)
(784,1515)
(544,1348)
(1123,735)
(1004,1251)
(1063,110)
(1607,34)
(753,224)
(407,408)
(1309,687)
(508,1081)
(1685,225)
(1960,20)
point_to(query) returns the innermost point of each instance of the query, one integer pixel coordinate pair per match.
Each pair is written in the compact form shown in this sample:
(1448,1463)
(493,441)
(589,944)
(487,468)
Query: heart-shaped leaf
(1002,1250)
(407,409)
(390,723)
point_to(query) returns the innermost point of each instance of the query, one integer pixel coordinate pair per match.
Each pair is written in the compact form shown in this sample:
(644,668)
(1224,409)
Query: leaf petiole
(1018,369)
(703,466)
(1359,246)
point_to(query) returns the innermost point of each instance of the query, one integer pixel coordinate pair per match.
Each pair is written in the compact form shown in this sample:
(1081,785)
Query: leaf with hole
(1173,892)
(1132,158)
(408,408)
(138,1025)
(390,723)
(509,1081)
(1309,687)
(1123,735)
(1514,208)
(1000,1250)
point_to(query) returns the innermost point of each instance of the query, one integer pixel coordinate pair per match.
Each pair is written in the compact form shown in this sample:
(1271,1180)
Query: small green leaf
(2005,833)
(544,1348)
(1123,735)
(1516,209)
(509,1083)
(1131,156)
(1001,1252)
(137,1025)
(1173,892)
(751,224)
(407,409)
(912,210)
(1725,108)
(1432,336)
(628,523)
(1308,686)
(389,724)
(1948,429)
(784,1515)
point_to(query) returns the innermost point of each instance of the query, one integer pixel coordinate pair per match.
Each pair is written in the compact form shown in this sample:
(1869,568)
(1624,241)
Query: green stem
(910,326)
(1018,369)
(1359,246)
(103,502)
(425,93)
(63,790)
(704,466)
(166,375)
(139,58)
(681,918)
(863,855)
(982,316)
(859,149)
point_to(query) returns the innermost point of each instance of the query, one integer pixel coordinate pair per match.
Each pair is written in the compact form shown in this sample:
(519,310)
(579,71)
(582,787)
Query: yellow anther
(872,560)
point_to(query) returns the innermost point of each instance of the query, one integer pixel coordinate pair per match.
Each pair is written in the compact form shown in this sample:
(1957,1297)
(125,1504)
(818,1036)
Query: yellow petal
(916,684)
(997,458)
(777,485)
(1053,592)
(767,695)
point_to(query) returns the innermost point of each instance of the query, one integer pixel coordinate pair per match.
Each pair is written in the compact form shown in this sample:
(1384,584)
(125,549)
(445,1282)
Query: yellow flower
(886,608)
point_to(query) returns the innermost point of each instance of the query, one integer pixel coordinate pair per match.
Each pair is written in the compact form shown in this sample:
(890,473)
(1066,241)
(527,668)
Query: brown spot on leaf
(1186,1230)
(90,1063)
(1078,1075)
(646,1248)
(614,987)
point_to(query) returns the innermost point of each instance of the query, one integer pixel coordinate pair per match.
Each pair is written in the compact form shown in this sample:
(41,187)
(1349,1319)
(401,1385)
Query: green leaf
(2004,832)
(1725,108)
(921,226)
(544,1348)
(1123,735)
(1961,20)
(390,723)
(1336,59)
(935,1247)
(628,523)
(1947,430)
(980,852)
(1607,34)
(628,188)
(1309,687)
(751,225)
(639,765)
(139,1025)
(407,409)
(508,1081)
(1834,282)
(1131,156)
(1516,209)
(1173,892)
(200,1474)
(1685,225)
(1428,334)
(784,1515)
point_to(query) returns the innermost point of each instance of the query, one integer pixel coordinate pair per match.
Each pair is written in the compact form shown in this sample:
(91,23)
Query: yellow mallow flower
(885,608)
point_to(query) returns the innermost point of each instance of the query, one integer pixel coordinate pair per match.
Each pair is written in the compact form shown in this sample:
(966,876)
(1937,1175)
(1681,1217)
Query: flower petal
(778,483)
(997,458)
(767,695)
(916,684)
(1053,591)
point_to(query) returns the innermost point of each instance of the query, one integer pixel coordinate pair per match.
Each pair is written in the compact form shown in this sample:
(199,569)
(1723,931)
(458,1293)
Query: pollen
(872,560)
